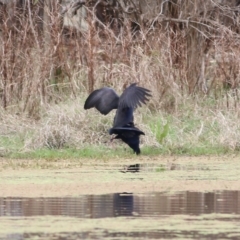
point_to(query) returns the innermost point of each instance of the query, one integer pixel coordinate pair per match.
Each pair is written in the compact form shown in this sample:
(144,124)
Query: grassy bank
(197,126)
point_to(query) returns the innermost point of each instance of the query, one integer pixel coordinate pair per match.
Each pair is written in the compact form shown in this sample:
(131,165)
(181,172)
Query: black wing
(104,100)
(134,96)
(131,98)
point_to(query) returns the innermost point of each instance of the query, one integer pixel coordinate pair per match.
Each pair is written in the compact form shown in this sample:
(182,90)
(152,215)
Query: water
(171,199)
(124,204)
(180,215)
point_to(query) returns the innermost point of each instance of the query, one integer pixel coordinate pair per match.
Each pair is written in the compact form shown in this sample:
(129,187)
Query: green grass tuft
(160,130)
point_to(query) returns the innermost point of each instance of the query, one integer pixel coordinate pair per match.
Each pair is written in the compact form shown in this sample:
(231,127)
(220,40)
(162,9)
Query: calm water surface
(185,215)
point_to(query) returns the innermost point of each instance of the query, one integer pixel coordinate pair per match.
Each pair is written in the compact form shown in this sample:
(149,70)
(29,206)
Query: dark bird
(129,135)
(106,99)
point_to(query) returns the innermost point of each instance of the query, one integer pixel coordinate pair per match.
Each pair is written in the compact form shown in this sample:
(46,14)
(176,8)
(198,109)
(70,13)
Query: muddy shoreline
(42,178)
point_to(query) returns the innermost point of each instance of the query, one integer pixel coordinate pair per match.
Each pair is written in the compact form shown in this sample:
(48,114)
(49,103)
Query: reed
(191,68)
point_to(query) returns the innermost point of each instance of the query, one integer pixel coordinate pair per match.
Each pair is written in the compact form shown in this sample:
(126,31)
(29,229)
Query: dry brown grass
(44,83)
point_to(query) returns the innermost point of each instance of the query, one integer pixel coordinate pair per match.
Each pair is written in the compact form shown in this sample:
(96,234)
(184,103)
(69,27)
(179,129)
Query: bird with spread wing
(106,99)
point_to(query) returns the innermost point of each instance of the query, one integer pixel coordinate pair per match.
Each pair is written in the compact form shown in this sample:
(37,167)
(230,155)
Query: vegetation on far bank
(66,130)
(191,67)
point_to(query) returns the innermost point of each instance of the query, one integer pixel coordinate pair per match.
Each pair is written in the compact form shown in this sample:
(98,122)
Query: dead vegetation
(188,55)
